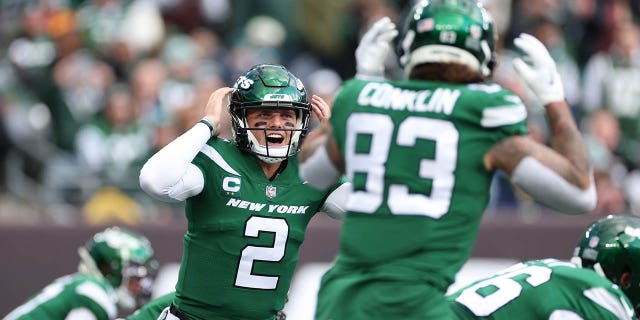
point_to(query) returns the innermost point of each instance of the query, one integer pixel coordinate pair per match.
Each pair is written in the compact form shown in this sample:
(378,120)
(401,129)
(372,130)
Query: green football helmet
(448,31)
(273,87)
(125,259)
(611,246)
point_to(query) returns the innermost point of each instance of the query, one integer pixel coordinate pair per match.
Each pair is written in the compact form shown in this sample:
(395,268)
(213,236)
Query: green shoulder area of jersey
(97,290)
(222,153)
(66,293)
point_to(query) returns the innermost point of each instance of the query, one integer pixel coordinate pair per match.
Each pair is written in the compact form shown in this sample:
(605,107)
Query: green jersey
(78,294)
(414,153)
(244,233)
(152,310)
(542,289)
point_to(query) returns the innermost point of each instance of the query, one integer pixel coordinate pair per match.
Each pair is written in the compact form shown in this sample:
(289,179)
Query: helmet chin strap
(596,266)
(87,265)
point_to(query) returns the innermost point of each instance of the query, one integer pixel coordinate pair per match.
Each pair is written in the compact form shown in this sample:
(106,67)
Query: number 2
(244,277)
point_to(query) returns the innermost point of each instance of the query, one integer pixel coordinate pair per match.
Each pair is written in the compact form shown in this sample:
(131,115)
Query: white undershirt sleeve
(169,174)
(548,187)
(319,171)
(335,204)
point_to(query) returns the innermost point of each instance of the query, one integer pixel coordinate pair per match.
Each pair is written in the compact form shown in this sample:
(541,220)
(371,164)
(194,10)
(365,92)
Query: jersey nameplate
(386,96)
(263,207)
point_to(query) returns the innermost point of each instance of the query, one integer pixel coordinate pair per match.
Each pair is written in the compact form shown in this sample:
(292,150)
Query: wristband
(209,123)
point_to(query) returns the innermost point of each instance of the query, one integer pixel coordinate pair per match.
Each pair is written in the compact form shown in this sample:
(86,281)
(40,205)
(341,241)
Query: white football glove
(373,49)
(539,72)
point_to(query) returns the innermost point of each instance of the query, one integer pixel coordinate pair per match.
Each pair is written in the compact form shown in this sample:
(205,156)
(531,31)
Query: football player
(601,282)
(246,206)
(421,154)
(116,272)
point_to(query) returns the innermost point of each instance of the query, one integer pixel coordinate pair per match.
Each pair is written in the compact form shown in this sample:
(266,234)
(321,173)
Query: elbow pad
(550,188)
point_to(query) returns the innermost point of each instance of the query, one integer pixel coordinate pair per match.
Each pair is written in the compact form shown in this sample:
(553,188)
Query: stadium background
(143,69)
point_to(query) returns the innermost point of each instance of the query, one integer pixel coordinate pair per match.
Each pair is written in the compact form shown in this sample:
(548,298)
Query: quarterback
(247,208)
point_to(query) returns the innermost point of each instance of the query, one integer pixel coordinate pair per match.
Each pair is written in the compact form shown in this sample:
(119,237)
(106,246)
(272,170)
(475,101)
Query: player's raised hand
(218,100)
(538,70)
(373,49)
(320,108)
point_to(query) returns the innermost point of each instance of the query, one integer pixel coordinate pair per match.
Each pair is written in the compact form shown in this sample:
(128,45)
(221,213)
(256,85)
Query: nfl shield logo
(270,191)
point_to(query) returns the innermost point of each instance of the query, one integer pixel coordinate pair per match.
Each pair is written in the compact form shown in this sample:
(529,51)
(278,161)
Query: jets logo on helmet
(244,83)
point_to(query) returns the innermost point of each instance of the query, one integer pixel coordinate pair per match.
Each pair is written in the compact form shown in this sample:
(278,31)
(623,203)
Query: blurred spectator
(121,31)
(137,23)
(610,82)
(113,146)
(33,55)
(332,26)
(602,137)
(63,56)
(324,83)
(525,13)
(192,14)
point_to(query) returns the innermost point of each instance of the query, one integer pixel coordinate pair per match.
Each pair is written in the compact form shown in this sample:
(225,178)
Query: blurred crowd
(89,89)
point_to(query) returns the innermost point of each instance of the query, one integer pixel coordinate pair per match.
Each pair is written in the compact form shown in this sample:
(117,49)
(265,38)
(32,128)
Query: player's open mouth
(275,138)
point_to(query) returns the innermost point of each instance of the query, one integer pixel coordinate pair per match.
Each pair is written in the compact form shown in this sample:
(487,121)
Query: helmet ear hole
(625,278)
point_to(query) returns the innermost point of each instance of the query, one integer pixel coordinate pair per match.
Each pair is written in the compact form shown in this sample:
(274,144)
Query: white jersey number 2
(244,277)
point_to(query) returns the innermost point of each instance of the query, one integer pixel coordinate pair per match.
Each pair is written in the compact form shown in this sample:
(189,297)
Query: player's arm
(324,167)
(559,176)
(335,204)
(169,174)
